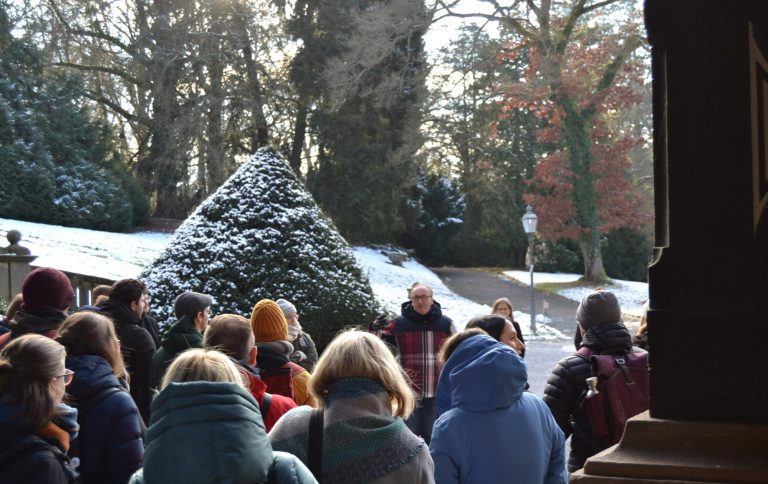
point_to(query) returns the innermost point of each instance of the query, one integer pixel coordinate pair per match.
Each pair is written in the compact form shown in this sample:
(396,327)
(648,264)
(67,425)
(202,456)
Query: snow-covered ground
(117,256)
(631,295)
(89,252)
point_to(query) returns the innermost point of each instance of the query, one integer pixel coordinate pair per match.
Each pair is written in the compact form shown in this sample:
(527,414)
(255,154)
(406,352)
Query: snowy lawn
(89,252)
(631,295)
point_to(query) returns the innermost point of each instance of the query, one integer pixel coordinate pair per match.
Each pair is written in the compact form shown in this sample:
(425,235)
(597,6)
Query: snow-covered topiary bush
(261,235)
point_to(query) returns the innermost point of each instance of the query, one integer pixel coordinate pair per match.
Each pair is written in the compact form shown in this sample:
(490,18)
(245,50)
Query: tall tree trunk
(299,133)
(259,130)
(214,162)
(577,126)
(163,152)
(589,243)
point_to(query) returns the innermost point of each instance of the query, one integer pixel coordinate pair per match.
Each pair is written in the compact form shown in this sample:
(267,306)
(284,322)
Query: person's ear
(252,356)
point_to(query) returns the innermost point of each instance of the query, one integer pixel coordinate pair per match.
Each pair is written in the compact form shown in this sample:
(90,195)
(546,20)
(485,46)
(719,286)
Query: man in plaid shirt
(417,334)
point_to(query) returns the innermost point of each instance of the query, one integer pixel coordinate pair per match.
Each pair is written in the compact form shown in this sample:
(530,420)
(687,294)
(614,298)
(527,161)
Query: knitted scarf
(362,441)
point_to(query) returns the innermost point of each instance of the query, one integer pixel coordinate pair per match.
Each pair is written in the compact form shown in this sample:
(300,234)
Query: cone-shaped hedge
(261,235)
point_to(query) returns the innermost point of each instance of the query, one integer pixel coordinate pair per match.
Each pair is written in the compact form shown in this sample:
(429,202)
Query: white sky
(116,256)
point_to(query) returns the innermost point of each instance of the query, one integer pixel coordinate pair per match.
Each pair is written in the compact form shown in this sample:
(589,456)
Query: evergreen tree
(57,164)
(490,154)
(441,208)
(261,235)
(362,62)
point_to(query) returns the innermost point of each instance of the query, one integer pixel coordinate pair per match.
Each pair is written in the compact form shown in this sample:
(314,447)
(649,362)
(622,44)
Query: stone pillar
(14,265)
(708,281)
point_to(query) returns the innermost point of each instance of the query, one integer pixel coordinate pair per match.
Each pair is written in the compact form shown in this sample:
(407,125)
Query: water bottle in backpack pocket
(616,391)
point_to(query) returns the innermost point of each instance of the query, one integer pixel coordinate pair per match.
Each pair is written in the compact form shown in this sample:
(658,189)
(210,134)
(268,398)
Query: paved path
(485,287)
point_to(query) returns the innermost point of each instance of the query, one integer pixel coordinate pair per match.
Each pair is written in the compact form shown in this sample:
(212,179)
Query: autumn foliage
(581,187)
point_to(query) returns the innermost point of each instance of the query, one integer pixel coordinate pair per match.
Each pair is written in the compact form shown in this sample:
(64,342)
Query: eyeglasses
(68,376)
(421,298)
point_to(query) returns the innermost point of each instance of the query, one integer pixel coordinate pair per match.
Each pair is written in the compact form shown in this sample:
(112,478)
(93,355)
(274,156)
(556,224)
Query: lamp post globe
(530,221)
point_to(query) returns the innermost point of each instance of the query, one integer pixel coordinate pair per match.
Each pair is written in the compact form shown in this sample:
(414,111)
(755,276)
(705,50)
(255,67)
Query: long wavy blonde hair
(357,353)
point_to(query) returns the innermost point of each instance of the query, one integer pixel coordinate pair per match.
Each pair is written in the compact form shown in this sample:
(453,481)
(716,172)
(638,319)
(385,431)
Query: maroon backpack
(619,392)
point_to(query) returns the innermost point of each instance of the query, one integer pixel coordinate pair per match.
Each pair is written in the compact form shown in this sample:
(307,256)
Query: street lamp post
(530,220)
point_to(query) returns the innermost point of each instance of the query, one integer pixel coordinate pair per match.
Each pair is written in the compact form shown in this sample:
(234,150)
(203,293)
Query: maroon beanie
(47,288)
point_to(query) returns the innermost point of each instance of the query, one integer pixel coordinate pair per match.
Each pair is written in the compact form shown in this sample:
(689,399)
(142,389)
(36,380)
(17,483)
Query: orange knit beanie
(268,322)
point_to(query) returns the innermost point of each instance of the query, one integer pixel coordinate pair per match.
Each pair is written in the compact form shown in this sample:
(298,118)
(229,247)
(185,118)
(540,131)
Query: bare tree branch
(96,97)
(90,33)
(107,70)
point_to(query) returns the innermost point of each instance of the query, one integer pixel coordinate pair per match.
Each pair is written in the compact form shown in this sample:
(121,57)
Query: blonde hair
(643,328)
(14,306)
(200,364)
(357,353)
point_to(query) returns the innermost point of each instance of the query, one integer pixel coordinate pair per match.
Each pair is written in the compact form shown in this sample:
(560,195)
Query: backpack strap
(266,402)
(621,362)
(316,443)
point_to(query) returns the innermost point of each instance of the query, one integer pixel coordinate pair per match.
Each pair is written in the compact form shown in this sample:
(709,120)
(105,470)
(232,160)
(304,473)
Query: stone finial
(14,237)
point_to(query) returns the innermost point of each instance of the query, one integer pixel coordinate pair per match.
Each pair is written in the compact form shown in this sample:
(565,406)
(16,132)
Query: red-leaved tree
(583,74)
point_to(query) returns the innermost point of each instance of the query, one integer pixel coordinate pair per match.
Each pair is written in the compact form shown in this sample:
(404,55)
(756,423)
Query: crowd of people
(101,395)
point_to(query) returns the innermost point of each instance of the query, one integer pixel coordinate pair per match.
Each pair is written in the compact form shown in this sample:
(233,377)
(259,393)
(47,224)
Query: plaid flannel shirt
(418,345)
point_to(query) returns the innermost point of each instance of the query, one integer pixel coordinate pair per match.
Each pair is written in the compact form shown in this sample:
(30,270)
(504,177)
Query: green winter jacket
(180,337)
(212,432)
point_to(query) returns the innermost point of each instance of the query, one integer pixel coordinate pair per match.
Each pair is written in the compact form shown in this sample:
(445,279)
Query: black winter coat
(150,324)
(110,440)
(179,338)
(565,389)
(28,459)
(137,347)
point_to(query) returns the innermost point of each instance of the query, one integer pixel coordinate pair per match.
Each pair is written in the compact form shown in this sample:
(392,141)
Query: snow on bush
(261,235)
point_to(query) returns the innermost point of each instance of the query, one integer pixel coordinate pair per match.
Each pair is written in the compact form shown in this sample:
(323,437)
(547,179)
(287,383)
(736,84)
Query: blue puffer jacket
(206,432)
(111,447)
(491,430)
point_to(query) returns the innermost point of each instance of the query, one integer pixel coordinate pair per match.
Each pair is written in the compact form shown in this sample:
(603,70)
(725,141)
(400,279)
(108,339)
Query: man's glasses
(68,376)
(421,298)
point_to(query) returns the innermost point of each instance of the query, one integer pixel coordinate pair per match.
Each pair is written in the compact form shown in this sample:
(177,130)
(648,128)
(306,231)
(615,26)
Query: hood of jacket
(92,374)
(611,338)
(205,432)
(480,376)
(435,312)
(273,354)
(181,336)
(119,312)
